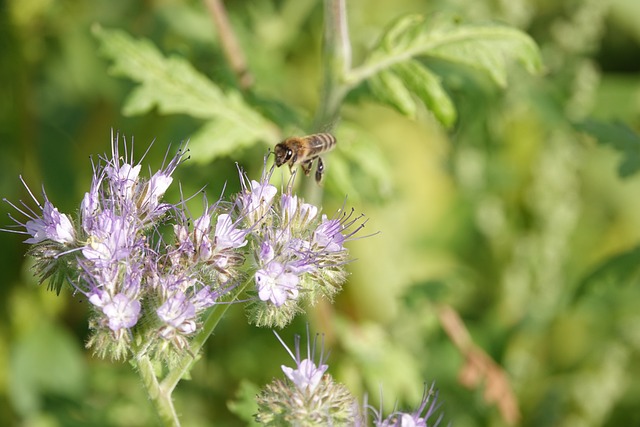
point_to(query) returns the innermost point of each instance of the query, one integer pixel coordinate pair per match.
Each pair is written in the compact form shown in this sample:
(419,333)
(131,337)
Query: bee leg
(306,166)
(319,170)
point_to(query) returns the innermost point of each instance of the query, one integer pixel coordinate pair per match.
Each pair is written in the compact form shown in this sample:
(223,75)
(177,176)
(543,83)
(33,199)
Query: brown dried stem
(230,46)
(479,366)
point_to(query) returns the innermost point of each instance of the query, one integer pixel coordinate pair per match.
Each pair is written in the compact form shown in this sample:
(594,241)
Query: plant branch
(160,396)
(336,63)
(229,42)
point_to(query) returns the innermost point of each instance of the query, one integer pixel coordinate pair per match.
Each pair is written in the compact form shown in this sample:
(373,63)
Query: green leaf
(173,86)
(620,270)
(228,139)
(387,87)
(486,47)
(244,403)
(621,138)
(409,84)
(427,87)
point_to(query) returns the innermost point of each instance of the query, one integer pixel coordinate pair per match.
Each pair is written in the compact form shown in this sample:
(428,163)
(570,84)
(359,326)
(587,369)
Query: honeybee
(303,151)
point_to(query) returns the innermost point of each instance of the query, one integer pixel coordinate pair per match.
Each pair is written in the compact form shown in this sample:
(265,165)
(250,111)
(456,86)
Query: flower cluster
(298,254)
(310,396)
(150,270)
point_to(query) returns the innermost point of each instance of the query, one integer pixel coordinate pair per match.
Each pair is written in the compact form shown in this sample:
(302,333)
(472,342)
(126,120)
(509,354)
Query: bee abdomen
(322,141)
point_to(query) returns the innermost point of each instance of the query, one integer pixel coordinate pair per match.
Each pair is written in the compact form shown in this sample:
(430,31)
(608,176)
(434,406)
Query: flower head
(298,254)
(309,397)
(117,256)
(418,418)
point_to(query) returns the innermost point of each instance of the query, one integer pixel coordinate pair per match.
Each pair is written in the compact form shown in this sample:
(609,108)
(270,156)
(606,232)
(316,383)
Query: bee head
(283,154)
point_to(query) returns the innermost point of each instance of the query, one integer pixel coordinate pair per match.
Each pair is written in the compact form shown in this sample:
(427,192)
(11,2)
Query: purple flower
(306,376)
(205,298)
(255,199)
(289,206)
(226,235)
(49,225)
(52,226)
(178,313)
(310,397)
(266,253)
(307,212)
(122,177)
(91,204)
(112,239)
(156,187)
(261,193)
(328,235)
(202,242)
(183,241)
(122,312)
(417,418)
(275,284)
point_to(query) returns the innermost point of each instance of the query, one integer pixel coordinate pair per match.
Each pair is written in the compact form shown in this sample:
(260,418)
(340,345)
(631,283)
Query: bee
(303,151)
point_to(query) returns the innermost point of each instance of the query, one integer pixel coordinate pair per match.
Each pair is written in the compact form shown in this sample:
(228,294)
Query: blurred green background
(516,220)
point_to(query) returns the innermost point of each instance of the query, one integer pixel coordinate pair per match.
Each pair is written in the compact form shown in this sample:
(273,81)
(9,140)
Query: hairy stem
(336,64)
(159,395)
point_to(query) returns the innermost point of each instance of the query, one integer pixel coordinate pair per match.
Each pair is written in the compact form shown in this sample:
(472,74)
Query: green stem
(160,396)
(336,63)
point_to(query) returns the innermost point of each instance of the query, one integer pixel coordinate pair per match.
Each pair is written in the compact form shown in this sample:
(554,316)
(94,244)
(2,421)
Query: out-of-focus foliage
(514,216)
(397,79)
(173,87)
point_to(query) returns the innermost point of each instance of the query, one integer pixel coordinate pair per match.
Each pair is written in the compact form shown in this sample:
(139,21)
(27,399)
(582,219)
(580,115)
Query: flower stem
(336,63)
(160,396)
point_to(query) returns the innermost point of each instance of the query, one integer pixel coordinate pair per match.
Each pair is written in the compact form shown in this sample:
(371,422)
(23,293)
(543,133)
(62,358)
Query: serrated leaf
(621,138)
(173,86)
(486,47)
(427,87)
(390,89)
(216,139)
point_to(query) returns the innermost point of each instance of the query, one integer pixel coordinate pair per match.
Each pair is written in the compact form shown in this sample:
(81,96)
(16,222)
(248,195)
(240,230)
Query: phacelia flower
(178,314)
(299,255)
(140,283)
(122,312)
(50,224)
(150,270)
(275,284)
(418,418)
(309,397)
(227,235)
